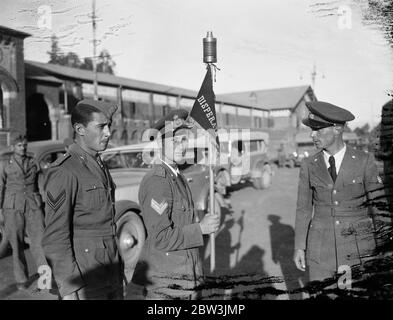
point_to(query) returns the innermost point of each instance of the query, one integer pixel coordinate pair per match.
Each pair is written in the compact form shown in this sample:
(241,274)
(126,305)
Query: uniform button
(334,191)
(336,202)
(86,250)
(337,222)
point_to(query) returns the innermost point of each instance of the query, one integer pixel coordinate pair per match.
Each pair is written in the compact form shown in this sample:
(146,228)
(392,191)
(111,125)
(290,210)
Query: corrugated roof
(14,32)
(270,99)
(281,98)
(108,79)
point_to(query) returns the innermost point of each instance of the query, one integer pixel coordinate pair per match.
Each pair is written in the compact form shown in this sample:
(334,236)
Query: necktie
(24,164)
(101,164)
(332,168)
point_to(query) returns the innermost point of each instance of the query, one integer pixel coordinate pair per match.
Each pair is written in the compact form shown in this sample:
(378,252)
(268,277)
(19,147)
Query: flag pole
(210,57)
(212,209)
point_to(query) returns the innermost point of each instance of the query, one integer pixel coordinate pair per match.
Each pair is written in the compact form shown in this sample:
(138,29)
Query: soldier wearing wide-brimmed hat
(170,257)
(333,226)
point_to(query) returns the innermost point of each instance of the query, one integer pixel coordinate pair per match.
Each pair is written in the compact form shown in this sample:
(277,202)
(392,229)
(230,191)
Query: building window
(227,119)
(128,109)
(257,122)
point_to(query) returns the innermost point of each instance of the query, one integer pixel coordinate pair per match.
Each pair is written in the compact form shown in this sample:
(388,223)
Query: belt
(93,233)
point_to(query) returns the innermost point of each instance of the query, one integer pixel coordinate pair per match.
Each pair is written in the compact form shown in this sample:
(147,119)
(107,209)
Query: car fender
(200,201)
(130,235)
(123,206)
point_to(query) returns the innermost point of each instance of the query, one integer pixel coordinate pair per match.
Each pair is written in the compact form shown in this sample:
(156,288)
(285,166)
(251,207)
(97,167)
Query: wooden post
(212,209)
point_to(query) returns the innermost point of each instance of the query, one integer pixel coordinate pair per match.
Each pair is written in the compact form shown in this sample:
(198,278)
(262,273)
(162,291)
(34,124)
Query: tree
(105,62)
(380,12)
(71,59)
(55,53)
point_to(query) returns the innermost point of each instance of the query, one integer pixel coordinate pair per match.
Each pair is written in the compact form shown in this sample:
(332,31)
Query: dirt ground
(254,247)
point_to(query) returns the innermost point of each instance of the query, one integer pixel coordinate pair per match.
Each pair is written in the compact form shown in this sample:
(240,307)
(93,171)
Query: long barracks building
(37,98)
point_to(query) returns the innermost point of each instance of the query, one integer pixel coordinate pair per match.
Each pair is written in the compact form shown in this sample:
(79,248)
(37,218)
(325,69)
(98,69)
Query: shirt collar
(337,154)
(175,171)
(83,154)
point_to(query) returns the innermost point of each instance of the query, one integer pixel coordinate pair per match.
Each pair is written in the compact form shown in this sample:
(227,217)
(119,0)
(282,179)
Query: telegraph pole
(313,75)
(95,84)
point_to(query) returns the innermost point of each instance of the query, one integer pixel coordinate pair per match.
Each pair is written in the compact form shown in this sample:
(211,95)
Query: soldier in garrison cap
(21,205)
(79,237)
(336,184)
(170,257)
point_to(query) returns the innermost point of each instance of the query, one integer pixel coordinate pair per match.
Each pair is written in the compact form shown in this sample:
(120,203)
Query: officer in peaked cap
(170,256)
(79,236)
(336,183)
(323,115)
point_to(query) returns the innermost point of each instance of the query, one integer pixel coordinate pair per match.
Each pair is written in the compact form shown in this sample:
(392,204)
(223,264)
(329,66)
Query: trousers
(17,223)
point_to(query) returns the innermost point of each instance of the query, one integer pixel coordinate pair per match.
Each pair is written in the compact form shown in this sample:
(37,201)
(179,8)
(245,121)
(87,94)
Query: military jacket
(19,185)
(79,225)
(173,235)
(334,220)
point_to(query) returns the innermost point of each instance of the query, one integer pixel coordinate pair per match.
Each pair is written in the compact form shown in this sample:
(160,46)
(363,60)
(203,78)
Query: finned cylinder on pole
(209,48)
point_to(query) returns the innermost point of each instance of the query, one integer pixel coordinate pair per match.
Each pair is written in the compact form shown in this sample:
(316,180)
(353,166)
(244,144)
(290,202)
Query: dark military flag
(203,112)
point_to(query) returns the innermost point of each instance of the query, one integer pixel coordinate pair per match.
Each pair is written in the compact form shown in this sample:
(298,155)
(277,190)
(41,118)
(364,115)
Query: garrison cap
(107,108)
(173,121)
(19,138)
(323,115)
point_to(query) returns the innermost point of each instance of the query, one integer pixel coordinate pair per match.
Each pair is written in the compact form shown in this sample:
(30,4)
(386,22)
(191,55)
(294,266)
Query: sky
(261,44)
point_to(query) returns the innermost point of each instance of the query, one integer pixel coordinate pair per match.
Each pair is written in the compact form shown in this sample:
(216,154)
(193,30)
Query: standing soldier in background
(79,237)
(21,205)
(333,227)
(170,257)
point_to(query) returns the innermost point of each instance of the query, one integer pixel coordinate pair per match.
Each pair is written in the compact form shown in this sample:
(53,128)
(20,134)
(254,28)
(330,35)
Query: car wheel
(4,244)
(130,240)
(265,179)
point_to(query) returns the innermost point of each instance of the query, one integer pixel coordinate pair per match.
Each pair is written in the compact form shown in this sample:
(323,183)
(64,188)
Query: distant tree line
(380,12)
(105,62)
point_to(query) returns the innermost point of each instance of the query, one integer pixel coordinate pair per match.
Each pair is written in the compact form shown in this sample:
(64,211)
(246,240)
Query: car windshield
(124,160)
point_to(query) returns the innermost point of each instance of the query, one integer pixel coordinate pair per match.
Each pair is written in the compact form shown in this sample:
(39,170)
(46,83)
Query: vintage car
(242,157)
(128,164)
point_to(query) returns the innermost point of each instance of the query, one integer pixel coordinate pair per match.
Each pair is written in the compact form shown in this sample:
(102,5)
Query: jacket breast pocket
(94,196)
(355,187)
